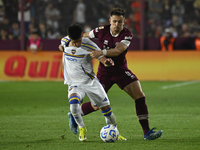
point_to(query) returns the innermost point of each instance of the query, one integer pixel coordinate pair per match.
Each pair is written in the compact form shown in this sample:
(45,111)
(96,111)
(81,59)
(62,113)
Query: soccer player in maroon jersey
(114,40)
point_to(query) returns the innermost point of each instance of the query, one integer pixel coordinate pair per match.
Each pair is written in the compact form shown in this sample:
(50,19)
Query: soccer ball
(109,133)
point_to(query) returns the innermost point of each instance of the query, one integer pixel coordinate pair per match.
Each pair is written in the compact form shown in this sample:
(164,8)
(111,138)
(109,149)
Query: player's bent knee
(74,99)
(105,107)
(139,96)
(95,107)
(74,103)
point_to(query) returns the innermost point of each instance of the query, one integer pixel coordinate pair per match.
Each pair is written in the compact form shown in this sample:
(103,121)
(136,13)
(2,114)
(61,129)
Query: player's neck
(115,33)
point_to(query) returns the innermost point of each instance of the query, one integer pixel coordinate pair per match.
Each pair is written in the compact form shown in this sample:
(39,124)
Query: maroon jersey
(108,41)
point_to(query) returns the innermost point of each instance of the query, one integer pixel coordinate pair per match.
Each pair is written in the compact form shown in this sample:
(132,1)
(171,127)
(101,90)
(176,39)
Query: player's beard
(117,29)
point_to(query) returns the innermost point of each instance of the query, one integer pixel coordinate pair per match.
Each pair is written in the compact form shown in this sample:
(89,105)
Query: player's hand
(108,62)
(60,47)
(95,54)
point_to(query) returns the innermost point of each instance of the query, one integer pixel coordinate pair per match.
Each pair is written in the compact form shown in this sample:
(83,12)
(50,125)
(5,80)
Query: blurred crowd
(49,19)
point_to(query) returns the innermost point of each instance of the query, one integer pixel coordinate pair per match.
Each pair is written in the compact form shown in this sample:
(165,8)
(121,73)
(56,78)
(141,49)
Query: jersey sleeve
(90,44)
(64,41)
(96,33)
(91,34)
(127,38)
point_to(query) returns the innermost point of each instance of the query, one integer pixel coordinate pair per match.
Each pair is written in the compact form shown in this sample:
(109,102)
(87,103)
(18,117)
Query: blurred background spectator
(166,14)
(175,23)
(15,30)
(155,10)
(133,20)
(87,28)
(185,31)
(51,18)
(178,9)
(34,42)
(194,26)
(3,34)
(6,25)
(42,30)
(167,41)
(52,15)
(2,12)
(197,40)
(197,9)
(102,22)
(27,13)
(79,13)
(132,24)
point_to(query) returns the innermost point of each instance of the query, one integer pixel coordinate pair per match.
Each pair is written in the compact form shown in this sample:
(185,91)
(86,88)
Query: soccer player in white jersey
(80,78)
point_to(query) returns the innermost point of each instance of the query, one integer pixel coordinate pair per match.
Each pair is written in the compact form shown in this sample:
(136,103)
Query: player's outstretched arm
(120,48)
(111,52)
(86,34)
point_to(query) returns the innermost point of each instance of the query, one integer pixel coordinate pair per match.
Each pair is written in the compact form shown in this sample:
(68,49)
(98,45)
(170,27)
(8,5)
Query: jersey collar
(112,34)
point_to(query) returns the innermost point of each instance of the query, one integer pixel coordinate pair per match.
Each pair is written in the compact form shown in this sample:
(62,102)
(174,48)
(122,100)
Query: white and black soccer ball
(109,133)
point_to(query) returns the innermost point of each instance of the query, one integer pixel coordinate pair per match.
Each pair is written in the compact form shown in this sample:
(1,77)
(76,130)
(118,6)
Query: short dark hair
(117,12)
(74,31)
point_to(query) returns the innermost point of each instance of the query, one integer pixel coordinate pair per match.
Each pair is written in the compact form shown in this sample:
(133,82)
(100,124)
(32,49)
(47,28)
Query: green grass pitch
(33,116)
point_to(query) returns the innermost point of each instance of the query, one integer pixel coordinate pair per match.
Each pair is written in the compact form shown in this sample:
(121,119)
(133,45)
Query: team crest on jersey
(73,51)
(105,42)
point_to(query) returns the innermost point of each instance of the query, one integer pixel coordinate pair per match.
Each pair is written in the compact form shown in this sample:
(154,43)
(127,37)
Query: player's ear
(82,34)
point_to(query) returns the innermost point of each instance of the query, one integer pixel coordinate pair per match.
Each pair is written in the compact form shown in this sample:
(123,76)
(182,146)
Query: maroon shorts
(122,79)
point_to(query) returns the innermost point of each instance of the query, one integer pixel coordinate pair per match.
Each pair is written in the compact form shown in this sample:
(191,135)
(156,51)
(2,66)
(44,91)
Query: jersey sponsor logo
(71,59)
(129,74)
(106,42)
(73,51)
(128,37)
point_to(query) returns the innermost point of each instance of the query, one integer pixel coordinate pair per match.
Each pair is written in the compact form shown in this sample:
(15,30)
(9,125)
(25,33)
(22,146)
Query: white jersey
(77,62)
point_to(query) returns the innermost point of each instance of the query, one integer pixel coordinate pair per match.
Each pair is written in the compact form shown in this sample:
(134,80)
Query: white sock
(111,119)
(76,112)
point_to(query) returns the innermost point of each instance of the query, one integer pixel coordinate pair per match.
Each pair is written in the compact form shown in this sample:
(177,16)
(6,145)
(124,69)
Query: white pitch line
(179,84)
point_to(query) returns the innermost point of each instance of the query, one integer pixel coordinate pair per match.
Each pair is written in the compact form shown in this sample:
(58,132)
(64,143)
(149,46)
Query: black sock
(142,114)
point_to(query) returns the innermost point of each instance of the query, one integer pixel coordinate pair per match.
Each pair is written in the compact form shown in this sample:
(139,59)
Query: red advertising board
(25,66)
(147,65)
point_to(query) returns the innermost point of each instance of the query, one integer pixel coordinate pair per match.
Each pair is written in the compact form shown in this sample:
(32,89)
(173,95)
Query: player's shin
(142,114)
(76,112)
(75,109)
